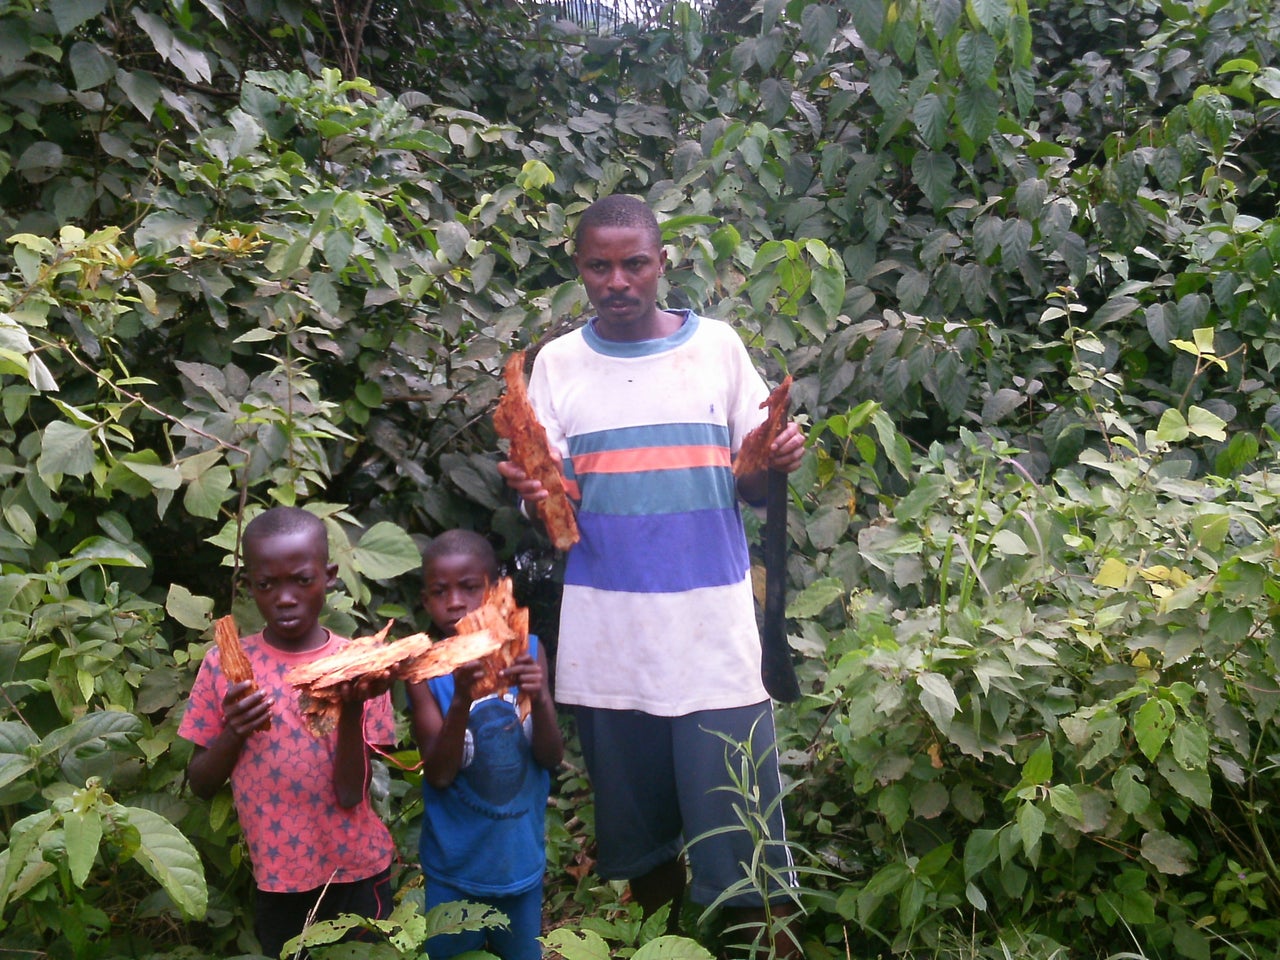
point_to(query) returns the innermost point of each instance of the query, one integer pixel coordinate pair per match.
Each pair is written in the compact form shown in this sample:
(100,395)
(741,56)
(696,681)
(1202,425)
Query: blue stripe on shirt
(659,491)
(664,553)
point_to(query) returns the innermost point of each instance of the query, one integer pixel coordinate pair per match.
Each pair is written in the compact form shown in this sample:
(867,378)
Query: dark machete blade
(776,668)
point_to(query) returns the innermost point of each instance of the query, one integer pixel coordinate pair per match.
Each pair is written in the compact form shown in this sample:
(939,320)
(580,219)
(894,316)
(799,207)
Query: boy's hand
(366,688)
(526,675)
(529,489)
(466,679)
(245,708)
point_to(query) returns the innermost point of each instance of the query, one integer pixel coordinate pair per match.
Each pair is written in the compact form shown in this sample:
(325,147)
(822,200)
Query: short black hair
(285,521)
(618,210)
(464,543)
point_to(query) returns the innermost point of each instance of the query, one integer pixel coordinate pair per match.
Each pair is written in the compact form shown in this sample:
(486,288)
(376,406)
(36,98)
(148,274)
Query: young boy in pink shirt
(302,800)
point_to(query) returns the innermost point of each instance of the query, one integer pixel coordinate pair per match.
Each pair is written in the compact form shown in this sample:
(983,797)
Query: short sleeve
(540,398)
(749,391)
(202,718)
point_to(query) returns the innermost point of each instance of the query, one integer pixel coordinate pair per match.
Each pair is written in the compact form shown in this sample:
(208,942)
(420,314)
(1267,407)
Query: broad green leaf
(1202,423)
(1031,822)
(1190,744)
(577,945)
(933,173)
(818,24)
(1152,724)
(1115,309)
(14,766)
(82,831)
(976,54)
(1167,853)
(65,449)
(929,489)
(1240,450)
(190,610)
(142,89)
(24,839)
(1194,785)
(1132,796)
(160,476)
(828,289)
(977,108)
(894,804)
(1009,544)
(931,118)
(1172,427)
(95,730)
(386,551)
(1064,800)
(672,948)
(1039,766)
(815,598)
(89,65)
(990,13)
(105,551)
(980,849)
(1113,573)
(937,698)
(69,14)
(170,859)
(207,491)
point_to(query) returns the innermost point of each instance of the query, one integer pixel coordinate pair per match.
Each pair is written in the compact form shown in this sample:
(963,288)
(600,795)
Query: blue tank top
(485,833)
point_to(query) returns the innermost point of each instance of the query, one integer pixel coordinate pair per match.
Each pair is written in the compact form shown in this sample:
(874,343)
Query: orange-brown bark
(515,420)
(235,665)
(496,633)
(754,453)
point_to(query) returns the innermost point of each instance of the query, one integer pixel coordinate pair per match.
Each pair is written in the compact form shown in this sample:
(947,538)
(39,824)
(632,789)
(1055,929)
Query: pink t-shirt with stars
(299,837)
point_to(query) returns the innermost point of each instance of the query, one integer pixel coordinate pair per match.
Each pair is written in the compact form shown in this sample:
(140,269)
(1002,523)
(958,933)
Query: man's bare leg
(664,884)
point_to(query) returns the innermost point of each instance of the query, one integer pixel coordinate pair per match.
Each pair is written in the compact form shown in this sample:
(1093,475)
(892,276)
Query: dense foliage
(1020,260)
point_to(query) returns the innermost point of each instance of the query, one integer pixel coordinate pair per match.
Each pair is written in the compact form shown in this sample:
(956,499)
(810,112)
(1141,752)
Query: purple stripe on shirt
(659,553)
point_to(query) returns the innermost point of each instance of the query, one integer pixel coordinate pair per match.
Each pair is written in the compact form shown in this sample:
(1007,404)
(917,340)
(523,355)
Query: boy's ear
(332,571)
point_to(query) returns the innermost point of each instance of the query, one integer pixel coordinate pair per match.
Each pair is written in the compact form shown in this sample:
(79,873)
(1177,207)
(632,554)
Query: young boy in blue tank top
(486,774)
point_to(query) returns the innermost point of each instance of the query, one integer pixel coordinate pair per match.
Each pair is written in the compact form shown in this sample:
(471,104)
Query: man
(658,651)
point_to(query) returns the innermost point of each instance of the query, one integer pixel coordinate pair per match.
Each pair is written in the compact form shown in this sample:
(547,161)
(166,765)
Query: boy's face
(452,586)
(288,575)
(620,269)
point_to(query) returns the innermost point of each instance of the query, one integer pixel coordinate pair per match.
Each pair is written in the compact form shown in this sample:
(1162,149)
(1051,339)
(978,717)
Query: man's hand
(529,489)
(787,449)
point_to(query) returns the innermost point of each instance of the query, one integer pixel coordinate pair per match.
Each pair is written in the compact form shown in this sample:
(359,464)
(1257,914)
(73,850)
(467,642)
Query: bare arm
(441,737)
(243,712)
(351,768)
(530,676)
(785,454)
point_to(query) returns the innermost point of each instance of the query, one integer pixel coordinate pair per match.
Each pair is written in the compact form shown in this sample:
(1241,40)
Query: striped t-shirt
(657,612)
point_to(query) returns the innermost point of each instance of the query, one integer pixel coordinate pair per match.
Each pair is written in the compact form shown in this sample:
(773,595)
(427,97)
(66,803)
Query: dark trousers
(279,917)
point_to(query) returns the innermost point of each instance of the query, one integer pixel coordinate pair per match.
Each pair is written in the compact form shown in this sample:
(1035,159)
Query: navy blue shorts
(662,783)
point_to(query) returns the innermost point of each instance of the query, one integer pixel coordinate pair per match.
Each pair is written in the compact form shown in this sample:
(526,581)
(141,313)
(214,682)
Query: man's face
(620,268)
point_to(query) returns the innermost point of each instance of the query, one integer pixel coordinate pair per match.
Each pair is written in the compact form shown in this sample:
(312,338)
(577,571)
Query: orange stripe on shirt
(638,459)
